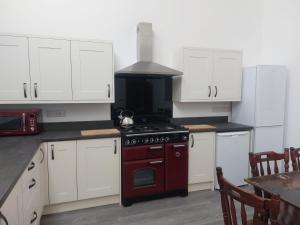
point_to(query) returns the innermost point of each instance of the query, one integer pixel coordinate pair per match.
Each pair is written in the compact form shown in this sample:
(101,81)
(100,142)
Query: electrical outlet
(56,113)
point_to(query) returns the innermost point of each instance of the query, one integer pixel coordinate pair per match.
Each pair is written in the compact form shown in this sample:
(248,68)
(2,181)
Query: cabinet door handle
(32,165)
(34,217)
(115,151)
(209,88)
(25,90)
(43,154)
(33,183)
(193,141)
(108,87)
(52,152)
(35,90)
(3,218)
(216,88)
(156,162)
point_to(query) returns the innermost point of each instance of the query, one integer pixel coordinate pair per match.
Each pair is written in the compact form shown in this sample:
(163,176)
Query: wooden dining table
(287,185)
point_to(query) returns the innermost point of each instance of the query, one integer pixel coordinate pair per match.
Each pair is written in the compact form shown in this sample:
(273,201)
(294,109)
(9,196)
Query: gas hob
(154,133)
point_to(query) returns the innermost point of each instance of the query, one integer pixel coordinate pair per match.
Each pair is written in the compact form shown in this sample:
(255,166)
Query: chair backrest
(231,194)
(258,161)
(295,155)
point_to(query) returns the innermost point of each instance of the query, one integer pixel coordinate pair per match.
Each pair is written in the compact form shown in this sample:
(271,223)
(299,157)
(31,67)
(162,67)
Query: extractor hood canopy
(145,67)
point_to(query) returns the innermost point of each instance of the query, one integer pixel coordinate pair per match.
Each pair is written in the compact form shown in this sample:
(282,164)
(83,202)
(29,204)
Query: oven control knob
(167,139)
(184,137)
(162,139)
(157,139)
(151,140)
(127,142)
(133,141)
(146,140)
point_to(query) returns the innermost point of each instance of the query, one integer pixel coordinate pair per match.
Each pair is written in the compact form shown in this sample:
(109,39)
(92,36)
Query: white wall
(233,24)
(281,45)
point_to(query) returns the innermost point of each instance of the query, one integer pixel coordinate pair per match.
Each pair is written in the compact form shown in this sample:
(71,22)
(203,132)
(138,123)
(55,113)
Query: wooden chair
(231,194)
(258,161)
(295,157)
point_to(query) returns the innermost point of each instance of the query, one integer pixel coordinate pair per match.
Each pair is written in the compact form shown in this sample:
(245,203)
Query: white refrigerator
(263,106)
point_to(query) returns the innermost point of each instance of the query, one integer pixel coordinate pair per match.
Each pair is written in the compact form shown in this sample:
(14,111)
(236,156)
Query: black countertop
(17,152)
(220,123)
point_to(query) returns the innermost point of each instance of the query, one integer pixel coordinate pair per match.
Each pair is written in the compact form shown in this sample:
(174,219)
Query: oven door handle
(156,162)
(156,147)
(24,122)
(179,146)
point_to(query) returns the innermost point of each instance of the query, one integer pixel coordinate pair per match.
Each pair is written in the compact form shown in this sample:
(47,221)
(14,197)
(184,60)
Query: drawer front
(143,152)
(32,215)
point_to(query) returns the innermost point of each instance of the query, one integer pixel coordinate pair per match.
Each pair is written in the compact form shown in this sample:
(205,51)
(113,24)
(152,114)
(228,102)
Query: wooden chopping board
(99,132)
(199,127)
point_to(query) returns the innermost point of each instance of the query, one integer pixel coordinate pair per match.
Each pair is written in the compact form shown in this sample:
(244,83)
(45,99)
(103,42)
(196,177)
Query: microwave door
(12,123)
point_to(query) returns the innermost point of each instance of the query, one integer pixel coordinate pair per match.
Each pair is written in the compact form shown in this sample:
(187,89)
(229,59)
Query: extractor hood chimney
(145,67)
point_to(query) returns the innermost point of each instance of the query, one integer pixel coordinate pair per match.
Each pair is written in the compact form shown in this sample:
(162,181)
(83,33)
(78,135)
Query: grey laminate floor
(199,208)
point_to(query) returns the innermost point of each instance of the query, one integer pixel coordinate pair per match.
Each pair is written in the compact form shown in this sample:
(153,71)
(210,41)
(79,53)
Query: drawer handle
(3,218)
(33,184)
(179,146)
(32,165)
(156,162)
(156,147)
(35,216)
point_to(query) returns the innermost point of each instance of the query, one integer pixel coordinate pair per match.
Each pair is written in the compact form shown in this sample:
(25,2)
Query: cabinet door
(98,168)
(92,71)
(201,157)
(196,81)
(14,69)
(270,95)
(62,171)
(11,209)
(227,75)
(50,69)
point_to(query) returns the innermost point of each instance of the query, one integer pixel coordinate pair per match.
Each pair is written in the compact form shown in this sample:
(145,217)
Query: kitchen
(56,69)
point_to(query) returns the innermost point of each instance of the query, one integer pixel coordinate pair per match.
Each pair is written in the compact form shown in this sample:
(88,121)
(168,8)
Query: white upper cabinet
(209,75)
(98,168)
(227,76)
(92,71)
(50,69)
(14,69)
(62,171)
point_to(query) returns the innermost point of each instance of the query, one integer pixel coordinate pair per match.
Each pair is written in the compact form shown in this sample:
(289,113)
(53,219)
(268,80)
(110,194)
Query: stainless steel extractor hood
(145,67)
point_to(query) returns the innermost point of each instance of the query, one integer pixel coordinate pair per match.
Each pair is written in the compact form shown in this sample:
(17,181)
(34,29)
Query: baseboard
(201,186)
(81,204)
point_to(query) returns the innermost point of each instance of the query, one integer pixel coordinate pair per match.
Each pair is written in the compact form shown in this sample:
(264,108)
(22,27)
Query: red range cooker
(154,162)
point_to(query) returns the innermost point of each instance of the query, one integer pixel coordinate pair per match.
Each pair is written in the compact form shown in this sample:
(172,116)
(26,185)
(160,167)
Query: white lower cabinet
(44,200)
(98,167)
(62,171)
(201,157)
(11,210)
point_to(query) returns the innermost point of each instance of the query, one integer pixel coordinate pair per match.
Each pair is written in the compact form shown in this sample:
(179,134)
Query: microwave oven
(20,121)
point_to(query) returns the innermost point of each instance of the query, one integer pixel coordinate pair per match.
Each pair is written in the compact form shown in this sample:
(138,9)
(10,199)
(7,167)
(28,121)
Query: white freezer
(232,150)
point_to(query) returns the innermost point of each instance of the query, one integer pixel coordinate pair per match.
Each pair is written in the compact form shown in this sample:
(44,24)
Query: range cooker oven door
(143,177)
(176,167)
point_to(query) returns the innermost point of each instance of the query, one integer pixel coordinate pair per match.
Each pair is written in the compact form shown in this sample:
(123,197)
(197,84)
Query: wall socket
(56,113)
